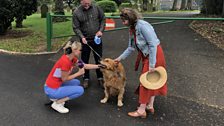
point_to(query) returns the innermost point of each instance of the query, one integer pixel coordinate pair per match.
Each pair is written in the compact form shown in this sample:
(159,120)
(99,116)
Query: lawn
(32,38)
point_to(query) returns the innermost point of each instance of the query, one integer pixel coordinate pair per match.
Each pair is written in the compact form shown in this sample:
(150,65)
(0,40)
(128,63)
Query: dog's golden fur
(114,80)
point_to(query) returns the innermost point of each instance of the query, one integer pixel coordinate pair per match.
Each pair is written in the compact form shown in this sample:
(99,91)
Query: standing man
(88,22)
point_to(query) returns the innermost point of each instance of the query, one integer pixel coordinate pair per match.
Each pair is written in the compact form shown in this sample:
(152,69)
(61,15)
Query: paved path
(195,71)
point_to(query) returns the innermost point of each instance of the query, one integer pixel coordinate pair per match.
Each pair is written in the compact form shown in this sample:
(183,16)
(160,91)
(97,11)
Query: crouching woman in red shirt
(61,84)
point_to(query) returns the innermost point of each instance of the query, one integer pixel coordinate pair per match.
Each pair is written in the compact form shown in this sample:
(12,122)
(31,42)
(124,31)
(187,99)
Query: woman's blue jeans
(70,89)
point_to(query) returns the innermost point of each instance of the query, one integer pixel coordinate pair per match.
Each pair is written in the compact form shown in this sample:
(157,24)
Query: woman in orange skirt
(143,38)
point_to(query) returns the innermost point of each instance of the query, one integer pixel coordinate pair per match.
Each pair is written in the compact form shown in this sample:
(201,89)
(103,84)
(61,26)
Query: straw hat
(154,80)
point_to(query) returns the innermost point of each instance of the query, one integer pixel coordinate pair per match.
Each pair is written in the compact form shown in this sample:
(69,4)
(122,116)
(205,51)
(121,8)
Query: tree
(25,8)
(145,5)
(183,5)
(174,8)
(222,9)
(212,7)
(151,5)
(40,2)
(189,4)
(7,9)
(118,2)
(155,4)
(19,9)
(69,2)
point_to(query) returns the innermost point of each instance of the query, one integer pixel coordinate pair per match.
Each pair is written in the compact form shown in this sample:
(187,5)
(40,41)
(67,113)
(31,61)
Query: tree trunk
(204,9)
(223,9)
(118,2)
(183,5)
(136,5)
(3,29)
(19,22)
(157,5)
(189,4)
(212,7)
(145,5)
(174,8)
(150,5)
(5,24)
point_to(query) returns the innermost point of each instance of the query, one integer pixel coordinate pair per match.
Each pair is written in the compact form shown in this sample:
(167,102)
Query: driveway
(195,82)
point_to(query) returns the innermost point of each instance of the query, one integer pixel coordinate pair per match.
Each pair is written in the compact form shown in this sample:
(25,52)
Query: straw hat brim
(154,80)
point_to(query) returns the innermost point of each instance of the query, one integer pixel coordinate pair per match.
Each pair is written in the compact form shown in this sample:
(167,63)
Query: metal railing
(170,20)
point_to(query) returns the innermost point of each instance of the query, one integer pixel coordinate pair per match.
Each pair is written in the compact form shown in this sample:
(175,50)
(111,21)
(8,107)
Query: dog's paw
(104,100)
(120,104)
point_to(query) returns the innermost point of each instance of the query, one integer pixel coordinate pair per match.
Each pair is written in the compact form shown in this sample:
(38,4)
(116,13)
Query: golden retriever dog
(114,80)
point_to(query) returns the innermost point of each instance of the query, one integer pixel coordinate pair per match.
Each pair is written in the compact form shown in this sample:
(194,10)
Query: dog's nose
(102,66)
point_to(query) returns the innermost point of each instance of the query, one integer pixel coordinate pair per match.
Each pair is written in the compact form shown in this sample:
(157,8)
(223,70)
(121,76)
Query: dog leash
(101,65)
(94,51)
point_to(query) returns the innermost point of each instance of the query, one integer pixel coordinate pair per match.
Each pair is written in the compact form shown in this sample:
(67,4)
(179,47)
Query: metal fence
(49,25)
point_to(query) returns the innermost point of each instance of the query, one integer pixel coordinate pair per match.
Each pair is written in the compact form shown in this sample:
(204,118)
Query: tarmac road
(195,82)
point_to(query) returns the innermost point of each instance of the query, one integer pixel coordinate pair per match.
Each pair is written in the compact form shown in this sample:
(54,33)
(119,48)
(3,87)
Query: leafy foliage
(6,15)
(108,6)
(25,8)
(40,2)
(212,7)
(18,9)
(125,5)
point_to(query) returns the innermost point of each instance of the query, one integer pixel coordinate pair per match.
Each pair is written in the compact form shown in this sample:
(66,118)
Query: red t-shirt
(63,64)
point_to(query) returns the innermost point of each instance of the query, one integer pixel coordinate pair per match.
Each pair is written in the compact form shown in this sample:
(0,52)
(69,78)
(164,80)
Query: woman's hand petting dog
(117,60)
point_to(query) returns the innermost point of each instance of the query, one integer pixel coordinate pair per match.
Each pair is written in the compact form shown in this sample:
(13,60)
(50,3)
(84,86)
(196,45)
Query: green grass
(63,28)
(34,22)
(34,34)
(35,41)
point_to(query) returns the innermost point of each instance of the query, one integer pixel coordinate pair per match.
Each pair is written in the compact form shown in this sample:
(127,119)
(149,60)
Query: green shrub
(125,5)
(15,9)
(107,6)
(126,1)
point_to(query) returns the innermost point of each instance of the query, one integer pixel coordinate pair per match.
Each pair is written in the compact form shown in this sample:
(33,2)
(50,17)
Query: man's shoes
(101,83)
(59,107)
(85,83)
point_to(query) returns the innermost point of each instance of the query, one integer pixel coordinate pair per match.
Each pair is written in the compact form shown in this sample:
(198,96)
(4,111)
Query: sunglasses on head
(124,16)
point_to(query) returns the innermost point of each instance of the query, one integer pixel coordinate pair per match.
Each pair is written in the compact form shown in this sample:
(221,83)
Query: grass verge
(32,37)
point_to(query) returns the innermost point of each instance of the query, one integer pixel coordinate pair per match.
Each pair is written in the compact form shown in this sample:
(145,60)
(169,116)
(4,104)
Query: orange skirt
(144,93)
